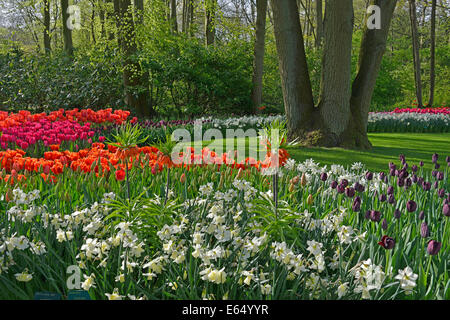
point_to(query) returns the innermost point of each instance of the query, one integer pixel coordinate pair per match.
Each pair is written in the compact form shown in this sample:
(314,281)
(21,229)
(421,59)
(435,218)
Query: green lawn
(386,147)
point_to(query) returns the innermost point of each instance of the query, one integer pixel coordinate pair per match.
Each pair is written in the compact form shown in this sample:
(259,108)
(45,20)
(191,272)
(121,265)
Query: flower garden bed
(140,227)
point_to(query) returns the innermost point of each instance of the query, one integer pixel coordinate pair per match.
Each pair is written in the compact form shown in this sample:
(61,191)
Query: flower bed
(139,226)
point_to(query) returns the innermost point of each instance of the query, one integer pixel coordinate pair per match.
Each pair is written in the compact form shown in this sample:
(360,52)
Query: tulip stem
(167,186)
(128,182)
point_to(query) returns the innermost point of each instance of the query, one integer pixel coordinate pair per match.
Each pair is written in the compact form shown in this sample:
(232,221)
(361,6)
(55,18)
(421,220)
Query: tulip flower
(433,247)
(183,178)
(333,184)
(424,230)
(375,216)
(323,176)
(397,214)
(387,242)
(384,224)
(120,175)
(411,206)
(446,210)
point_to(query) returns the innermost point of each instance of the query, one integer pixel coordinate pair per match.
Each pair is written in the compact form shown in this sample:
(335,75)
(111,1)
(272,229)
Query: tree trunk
(67,33)
(416,53)
(335,91)
(47,43)
(319,22)
(173,15)
(210,29)
(295,81)
(101,14)
(432,53)
(341,117)
(258,63)
(136,90)
(373,46)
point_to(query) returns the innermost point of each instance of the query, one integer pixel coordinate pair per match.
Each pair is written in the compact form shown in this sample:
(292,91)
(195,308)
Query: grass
(386,148)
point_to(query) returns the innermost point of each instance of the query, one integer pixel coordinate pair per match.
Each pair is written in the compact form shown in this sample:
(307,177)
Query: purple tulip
(421,215)
(446,210)
(393,172)
(424,230)
(392,165)
(414,168)
(369,175)
(402,157)
(387,242)
(433,247)
(350,192)
(437,166)
(434,157)
(411,206)
(434,173)
(408,182)
(390,190)
(397,214)
(441,193)
(367,215)
(426,186)
(384,224)
(421,163)
(382,197)
(334,184)
(391,199)
(356,205)
(375,216)
(447,159)
(382,175)
(440,175)
(414,178)
(400,182)
(359,187)
(340,188)
(344,182)
(436,185)
(324,176)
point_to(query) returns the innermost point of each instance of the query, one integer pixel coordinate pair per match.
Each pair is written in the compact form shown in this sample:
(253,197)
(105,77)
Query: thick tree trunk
(335,91)
(295,80)
(210,29)
(136,90)
(258,62)
(47,43)
(319,22)
(432,53)
(416,53)
(373,46)
(101,15)
(67,33)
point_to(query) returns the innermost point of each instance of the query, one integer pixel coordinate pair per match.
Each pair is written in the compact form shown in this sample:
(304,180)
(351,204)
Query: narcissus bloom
(24,276)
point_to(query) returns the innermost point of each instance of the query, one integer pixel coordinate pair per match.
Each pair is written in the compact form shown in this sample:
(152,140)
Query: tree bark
(136,90)
(67,33)
(334,104)
(173,15)
(373,46)
(47,43)
(258,62)
(295,80)
(210,14)
(432,53)
(416,52)
(319,22)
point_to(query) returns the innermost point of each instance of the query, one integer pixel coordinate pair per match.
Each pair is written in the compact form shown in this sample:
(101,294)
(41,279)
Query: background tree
(432,53)
(416,52)
(67,32)
(258,62)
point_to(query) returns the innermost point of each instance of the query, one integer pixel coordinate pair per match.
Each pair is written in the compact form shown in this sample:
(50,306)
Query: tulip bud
(424,230)
(421,215)
(397,214)
(310,200)
(446,210)
(369,175)
(291,187)
(303,181)
(387,242)
(384,224)
(295,180)
(183,178)
(433,247)
(323,176)
(239,174)
(382,197)
(333,184)
(8,195)
(411,206)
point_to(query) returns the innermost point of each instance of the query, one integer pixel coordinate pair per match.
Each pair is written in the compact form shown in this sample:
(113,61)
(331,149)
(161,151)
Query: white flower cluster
(368,277)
